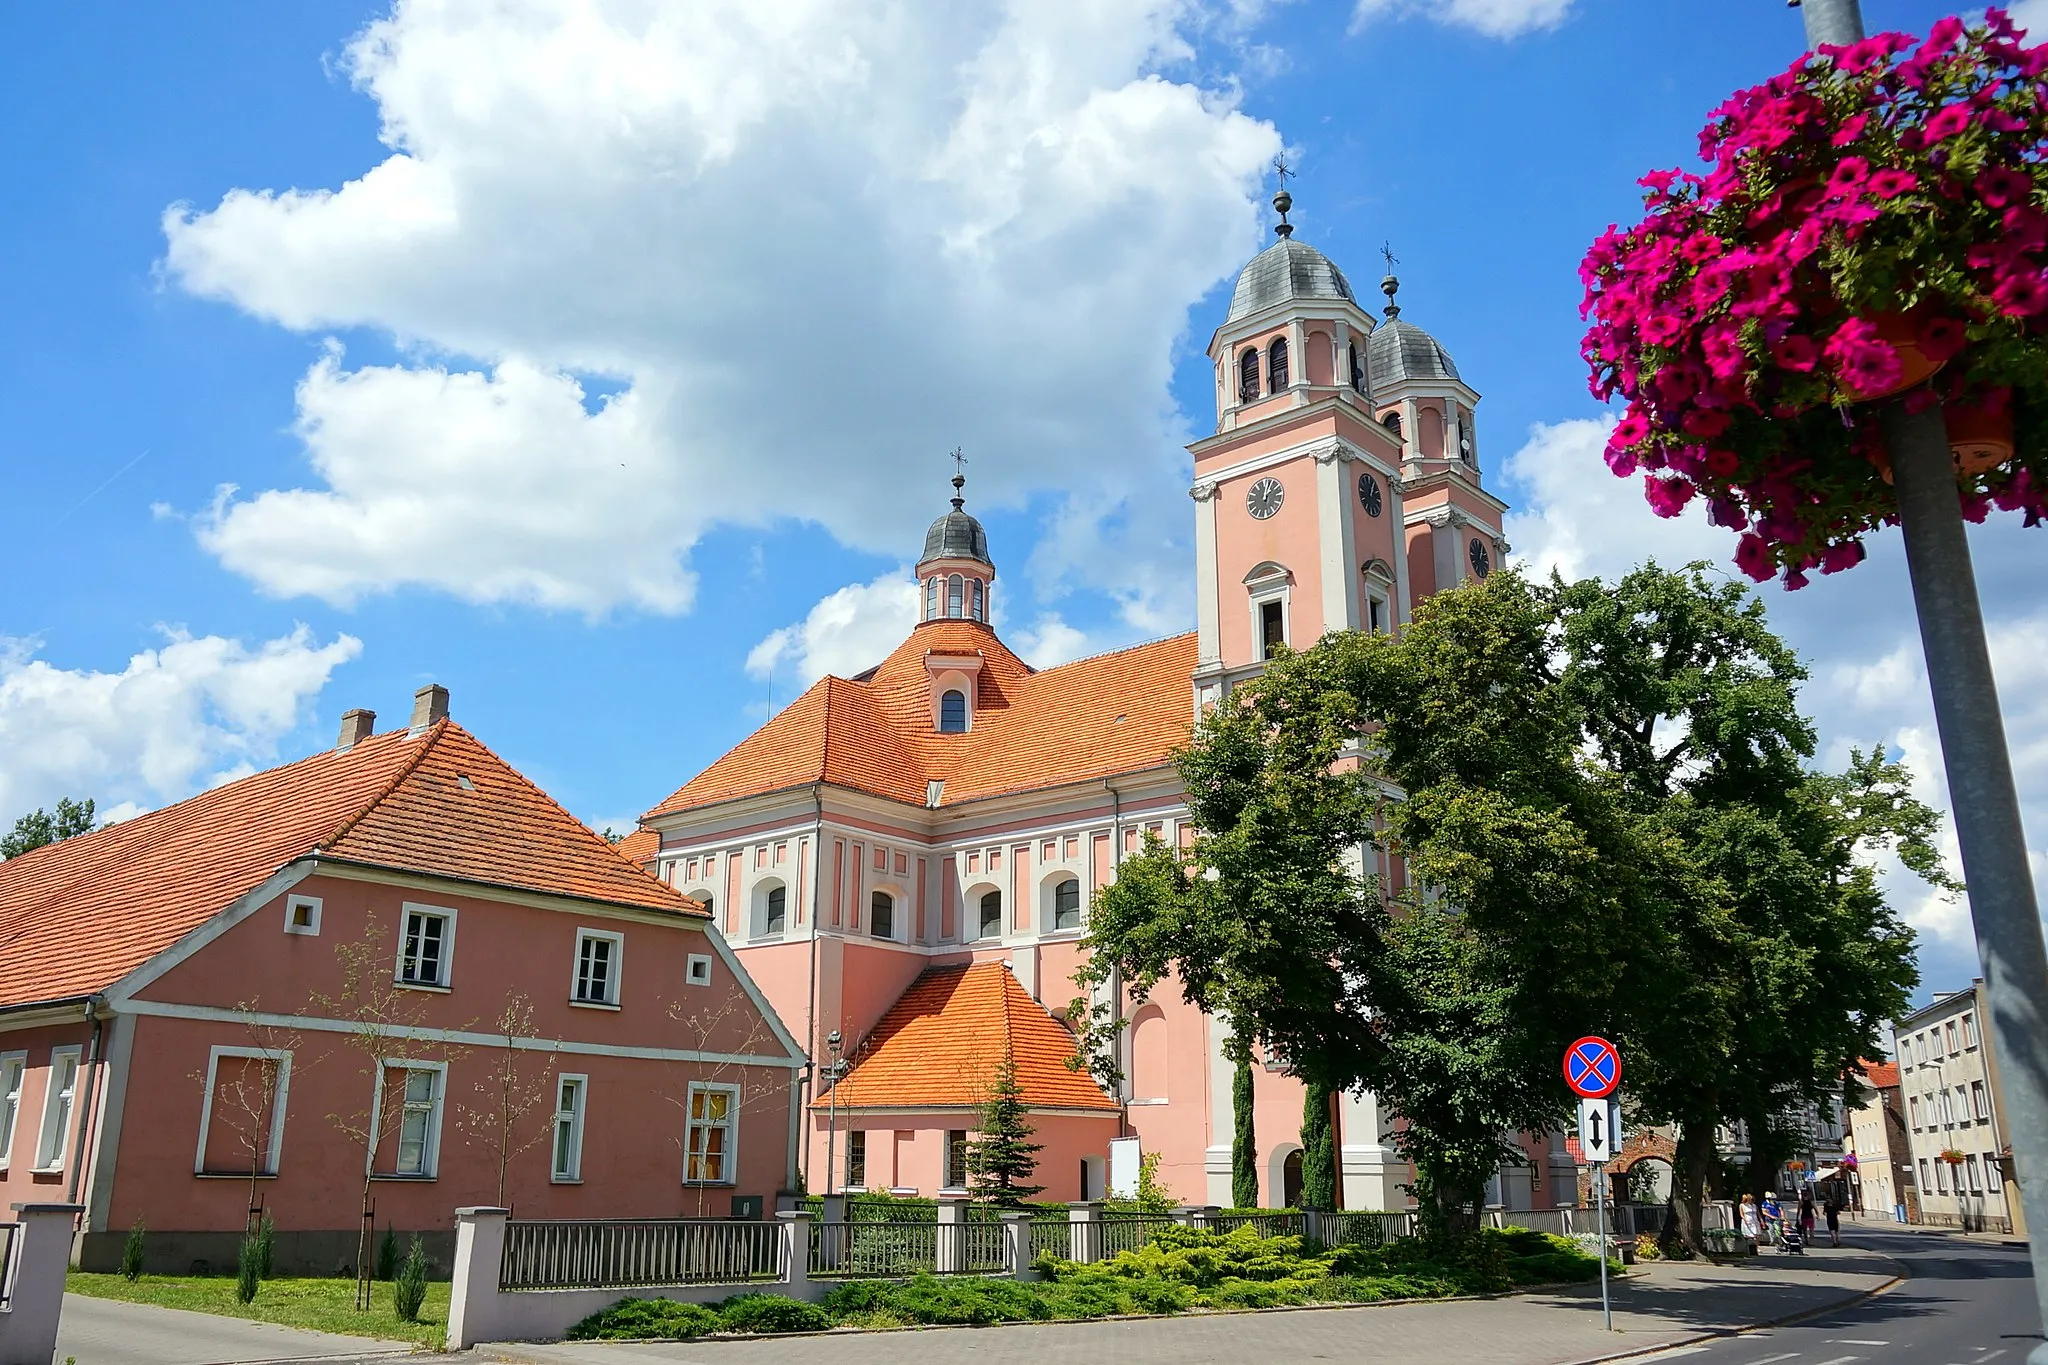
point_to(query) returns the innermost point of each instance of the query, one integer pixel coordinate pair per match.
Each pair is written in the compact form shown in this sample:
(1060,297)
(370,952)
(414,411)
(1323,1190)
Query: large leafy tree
(40,827)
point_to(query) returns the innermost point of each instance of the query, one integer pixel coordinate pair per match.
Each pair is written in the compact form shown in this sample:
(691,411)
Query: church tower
(1341,442)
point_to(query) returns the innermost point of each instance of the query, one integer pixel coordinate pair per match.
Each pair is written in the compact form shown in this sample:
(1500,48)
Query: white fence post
(42,1253)
(796,1250)
(479,1257)
(1017,1243)
(950,1256)
(1084,1231)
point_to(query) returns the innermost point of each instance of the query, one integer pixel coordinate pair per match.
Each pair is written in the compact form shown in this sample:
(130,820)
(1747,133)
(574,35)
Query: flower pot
(1979,439)
(1900,331)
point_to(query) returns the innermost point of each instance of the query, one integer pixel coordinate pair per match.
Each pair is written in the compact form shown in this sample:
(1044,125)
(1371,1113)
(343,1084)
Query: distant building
(250,1000)
(1882,1182)
(1955,1115)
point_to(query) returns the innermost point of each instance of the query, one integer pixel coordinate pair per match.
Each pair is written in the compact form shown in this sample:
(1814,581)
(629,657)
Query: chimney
(356,726)
(429,704)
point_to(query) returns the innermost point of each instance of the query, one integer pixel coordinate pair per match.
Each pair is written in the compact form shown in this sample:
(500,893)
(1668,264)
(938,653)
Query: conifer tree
(1001,1157)
(1244,1141)
(1318,1150)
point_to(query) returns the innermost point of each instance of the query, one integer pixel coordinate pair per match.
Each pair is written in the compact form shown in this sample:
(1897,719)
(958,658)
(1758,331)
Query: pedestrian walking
(1806,1214)
(1748,1221)
(1773,1218)
(1834,1222)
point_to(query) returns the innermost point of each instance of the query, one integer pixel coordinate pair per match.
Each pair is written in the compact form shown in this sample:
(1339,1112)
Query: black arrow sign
(1599,1142)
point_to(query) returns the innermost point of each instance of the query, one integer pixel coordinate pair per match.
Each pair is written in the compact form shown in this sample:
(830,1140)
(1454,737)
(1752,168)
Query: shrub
(1257,1294)
(411,1289)
(131,1253)
(387,1254)
(246,1271)
(856,1297)
(645,1320)
(929,1299)
(1099,1296)
(771,1313)
(266,1245)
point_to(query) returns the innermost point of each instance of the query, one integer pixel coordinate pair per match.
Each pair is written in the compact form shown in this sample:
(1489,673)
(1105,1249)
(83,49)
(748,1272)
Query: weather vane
(1282,170)
(1387,250)
(959,459)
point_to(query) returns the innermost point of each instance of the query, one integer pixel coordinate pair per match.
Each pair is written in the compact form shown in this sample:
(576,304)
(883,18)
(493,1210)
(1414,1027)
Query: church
(904,859)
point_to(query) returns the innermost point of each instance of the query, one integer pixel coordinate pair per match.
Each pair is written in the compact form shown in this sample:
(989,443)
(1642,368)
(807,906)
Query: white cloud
(2031,15)
(1493,18)
(1856,632)
(1050,640)
(197,712)
(806,247)
(847,632)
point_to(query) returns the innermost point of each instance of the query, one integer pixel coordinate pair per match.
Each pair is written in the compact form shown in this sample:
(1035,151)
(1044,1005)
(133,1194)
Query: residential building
(1883,1176)
(1955,1115)
(936,827)
(392,972)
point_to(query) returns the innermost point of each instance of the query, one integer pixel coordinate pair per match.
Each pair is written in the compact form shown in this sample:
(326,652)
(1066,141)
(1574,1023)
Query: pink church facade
(953,806)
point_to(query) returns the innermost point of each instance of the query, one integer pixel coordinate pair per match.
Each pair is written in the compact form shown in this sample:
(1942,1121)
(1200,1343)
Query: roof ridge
(432,736)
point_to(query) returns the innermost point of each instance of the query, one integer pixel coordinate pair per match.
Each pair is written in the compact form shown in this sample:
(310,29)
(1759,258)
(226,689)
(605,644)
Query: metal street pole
(1982,797)
(1600,1216)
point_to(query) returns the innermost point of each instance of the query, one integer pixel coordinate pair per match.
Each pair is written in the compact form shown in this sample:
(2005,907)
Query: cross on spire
(1282,200)
(959,459)
(1390,286)
(1387,250)
(1282,170)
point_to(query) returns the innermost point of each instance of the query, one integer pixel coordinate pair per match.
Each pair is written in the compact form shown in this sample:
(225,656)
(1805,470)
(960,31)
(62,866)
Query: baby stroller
(1794,1236)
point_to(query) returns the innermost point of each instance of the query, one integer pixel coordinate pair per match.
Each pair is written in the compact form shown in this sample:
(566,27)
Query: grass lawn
(327,1305)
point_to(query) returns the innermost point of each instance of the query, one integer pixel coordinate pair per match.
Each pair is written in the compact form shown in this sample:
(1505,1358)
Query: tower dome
(1399,352)
(957,535)
(1283,272)
(955,573)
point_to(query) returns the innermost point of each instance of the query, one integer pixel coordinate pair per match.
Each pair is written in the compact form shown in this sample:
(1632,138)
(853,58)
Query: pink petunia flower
(2001,186)
(1948,121)
(1939,338)
(1797,353)
(1753,557)
(1846,555)
(1866,362)
(1667,497)
(1705,422)
(1849,177)
(1891,182)
(1661,329)
(2021,295)
(1631,430)
(1722,463)
(1621,461)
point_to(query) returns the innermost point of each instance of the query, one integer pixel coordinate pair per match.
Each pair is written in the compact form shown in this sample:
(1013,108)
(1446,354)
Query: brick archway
(1644,1146)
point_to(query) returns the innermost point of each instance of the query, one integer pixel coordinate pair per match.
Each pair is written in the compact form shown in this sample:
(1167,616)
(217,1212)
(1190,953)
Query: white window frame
(1274,584)
(292,905)
(1994,1175)
(758,925)
(572,1115)
(856,1141)
(697,970)
(895,914)
(431,1157)
(60,1103)
(405,913)
(731,1126)
(283,1061)
(13,1075)
(1052,901)
(981,934)
(616,968)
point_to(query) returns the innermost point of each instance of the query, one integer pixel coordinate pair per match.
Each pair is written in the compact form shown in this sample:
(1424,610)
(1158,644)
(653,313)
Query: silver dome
(956,535)
(1399,352)
(1285,271)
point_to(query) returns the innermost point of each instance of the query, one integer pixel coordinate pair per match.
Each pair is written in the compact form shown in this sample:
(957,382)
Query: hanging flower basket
(1873,222)
(1953,1157)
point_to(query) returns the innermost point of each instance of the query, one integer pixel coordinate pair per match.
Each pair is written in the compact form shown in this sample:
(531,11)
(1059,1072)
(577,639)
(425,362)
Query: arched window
(931,598)
(882,915)
(1276,365)
(953,712)
(956,593)
(1066,905)
(708,901)
(980,613)
(1357,369)
(1392,422)
(991,915)
(774,913)
(1248,376)
(1148,1054)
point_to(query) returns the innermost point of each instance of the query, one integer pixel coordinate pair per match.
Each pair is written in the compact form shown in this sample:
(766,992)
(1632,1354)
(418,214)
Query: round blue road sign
(1592,1068)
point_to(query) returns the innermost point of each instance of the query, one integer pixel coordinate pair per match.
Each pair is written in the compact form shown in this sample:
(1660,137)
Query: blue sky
(606,373)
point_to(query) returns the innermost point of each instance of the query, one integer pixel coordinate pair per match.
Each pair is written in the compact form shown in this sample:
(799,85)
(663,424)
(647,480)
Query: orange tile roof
(1881,1075)
(78,915)
(942,1040)
(639,847)
(1092,718)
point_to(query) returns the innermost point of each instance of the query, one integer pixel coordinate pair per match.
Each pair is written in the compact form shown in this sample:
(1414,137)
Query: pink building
(394,962)
(952,806)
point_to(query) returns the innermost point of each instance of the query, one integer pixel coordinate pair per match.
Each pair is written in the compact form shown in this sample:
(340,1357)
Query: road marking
(1773,1360)
(1841,1360)
(1852,1341)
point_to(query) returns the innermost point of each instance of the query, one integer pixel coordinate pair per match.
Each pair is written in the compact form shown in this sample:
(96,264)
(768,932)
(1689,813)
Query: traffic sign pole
(1600,1206)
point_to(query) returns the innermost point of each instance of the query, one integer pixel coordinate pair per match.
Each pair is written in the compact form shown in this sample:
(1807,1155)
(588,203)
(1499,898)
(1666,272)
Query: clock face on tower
(1263,499)
(1481,560)
(1369,494)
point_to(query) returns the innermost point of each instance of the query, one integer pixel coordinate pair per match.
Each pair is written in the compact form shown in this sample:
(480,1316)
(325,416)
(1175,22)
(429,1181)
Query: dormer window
(1276,365)
(1248,376)
(953,713)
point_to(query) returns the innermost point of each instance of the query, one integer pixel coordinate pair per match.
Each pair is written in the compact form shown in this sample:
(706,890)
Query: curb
(1722,1333)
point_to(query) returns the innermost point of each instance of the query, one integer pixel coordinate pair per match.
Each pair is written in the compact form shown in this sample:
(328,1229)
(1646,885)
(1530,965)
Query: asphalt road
(1965,1302)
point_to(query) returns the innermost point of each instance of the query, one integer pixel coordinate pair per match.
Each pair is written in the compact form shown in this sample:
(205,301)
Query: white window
(931,599)
(697,972)
(410,1094)
(1066,905)
(598,954)
(882,915)
(956,1158)
(857,1159)
(12,1067)
(1376,614)
(241,1120)
(956,590)
(1934,1039)
(1980,1101)
(980,607)
(302,914)
(426,950)
(771,914)
(1992,1175)
(711,1144)
(568,1162)
(57,1104)
(1976,1177)
(991,915)
(1969,1030)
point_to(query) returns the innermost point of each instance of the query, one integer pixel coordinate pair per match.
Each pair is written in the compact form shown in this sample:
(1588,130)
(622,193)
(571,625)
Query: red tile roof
(1092,718)
(1881,1075)
(941,1042)
(78,915)
(639,847)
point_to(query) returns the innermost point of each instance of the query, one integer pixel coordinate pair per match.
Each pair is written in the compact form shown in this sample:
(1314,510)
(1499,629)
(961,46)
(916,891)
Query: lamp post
(832,1072)
(1978,764)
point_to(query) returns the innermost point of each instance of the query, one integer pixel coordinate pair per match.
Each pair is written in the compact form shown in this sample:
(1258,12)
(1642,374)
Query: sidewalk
(1663,1304)
(109,1332)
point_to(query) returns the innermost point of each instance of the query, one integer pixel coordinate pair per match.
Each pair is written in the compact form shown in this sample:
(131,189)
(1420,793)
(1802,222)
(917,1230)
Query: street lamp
(833,1070)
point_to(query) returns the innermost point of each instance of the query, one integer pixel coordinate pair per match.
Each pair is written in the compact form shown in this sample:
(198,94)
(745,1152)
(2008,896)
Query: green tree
(1318,1149)
(1001,1157)
(40,827)
(1244,1135)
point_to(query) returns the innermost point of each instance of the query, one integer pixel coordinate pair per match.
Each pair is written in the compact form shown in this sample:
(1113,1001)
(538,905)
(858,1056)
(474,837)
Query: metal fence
(1128,1231)
(1366,1228)
(984,1249)
(1265,1224)
(1562,1222)
(874,1249)
(627,1253)
(1052,1234)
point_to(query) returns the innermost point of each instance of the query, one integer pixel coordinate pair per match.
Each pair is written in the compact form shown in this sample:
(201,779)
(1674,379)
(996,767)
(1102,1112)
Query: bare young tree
(513,1109)
(386,1022)
(243,1094)
(755,1085)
